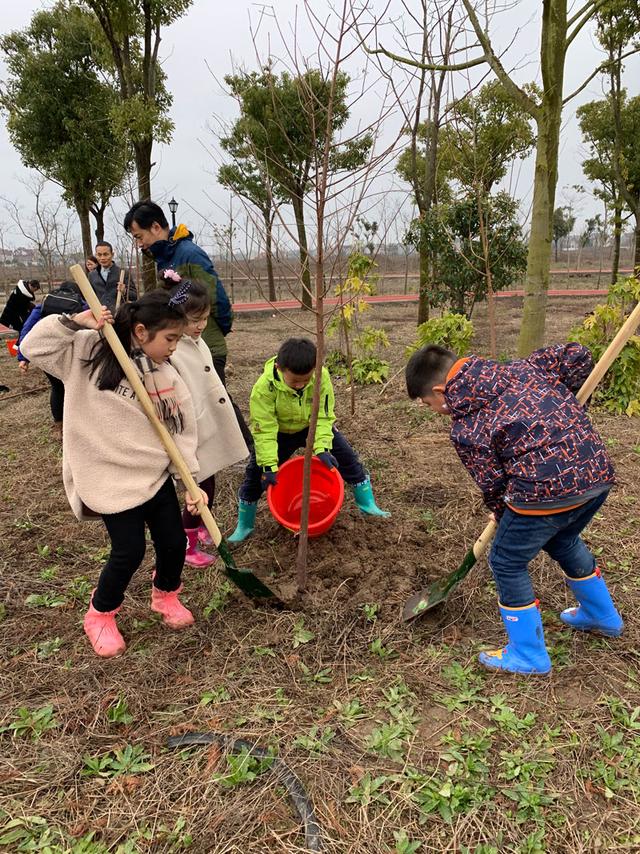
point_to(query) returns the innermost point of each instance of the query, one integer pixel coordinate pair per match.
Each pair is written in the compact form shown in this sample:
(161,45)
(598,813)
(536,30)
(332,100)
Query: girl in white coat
(220,441)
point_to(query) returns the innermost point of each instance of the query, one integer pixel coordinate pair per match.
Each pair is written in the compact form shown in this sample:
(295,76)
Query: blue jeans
(519,538)
(349,464)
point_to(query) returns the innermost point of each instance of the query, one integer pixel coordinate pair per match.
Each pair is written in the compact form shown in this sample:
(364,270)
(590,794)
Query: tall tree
(58,103)
(485,133)
(248,178)
(457,230)
(287,122)
(618,23)
(559,29)
(423,117)
(132,29)
(612,129)
(563,222)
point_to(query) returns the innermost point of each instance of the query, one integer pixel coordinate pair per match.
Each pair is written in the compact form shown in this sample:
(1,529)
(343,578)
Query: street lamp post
(173,207)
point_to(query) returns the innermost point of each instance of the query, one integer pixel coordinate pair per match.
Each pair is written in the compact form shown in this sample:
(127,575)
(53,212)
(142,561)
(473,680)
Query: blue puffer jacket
(181,254)
(521,433)
(30,322)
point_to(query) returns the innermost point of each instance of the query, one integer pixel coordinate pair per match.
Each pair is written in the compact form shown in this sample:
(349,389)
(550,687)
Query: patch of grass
(118,713)
(351,712)
(79,589)
(264,650)
(321,677)
(217,695)
(219,600)
(383,652)
(300,634)
(45,649)
(315,741)
(370,612)
(130,759)
(45,600)
(369,790)
(32,723)
(388,740)
(428,519)
(467,684)
(242,768)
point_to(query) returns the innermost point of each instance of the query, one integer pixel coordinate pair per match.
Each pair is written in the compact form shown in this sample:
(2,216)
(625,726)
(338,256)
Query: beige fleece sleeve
(51,344)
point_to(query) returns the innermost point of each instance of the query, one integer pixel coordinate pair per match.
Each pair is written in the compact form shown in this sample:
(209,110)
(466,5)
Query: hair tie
(171,275)
(181,295)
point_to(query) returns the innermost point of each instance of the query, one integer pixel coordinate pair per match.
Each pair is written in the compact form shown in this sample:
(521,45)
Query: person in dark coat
(20,304)
(106,277)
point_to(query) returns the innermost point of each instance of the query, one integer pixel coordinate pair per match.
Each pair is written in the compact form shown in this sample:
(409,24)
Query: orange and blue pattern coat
(521,433)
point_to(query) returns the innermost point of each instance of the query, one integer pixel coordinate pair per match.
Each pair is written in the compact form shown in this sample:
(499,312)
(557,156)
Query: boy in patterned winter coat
(543,472)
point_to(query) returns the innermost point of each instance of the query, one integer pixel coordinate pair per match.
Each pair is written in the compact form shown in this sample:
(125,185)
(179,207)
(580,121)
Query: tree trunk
(98,215)
(539,254)
(617,236)
(424,286)
(636,259)
(82,209)
(491,303)
(268,226)
(142,152)
(305,273)
(553,50)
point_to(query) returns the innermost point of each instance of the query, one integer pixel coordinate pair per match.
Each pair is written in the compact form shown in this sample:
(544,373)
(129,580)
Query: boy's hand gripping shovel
(242,578)
(438,591)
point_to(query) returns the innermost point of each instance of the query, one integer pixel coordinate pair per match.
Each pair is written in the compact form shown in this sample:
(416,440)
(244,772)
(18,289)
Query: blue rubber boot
(596,611)
(246,521)
(363,495)
(526,651)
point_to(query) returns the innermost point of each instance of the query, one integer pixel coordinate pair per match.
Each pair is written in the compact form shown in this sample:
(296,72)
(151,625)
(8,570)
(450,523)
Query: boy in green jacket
(280,409)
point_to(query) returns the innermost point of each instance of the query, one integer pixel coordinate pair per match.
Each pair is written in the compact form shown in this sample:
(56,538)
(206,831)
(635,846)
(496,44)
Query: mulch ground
(395,733)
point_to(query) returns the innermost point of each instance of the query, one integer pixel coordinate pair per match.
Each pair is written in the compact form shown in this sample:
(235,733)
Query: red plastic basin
(327,495)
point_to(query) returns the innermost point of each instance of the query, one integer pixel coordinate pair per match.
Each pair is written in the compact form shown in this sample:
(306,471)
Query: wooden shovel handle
(119,290)
(588,387)
(145,401)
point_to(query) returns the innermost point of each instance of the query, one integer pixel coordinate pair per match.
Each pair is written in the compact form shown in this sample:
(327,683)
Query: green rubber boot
(246,521)
(363,494)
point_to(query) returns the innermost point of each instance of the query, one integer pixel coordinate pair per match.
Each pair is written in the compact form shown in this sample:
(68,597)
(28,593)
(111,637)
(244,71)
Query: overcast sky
(221,39)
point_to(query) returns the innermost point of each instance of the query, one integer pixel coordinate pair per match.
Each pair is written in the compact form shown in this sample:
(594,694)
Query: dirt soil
(397,736)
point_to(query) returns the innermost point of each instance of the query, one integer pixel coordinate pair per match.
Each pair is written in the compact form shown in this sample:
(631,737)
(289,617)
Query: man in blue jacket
(173,248)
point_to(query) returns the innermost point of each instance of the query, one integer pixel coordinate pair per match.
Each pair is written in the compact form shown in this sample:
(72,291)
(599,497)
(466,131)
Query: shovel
(249,583)
(437,592)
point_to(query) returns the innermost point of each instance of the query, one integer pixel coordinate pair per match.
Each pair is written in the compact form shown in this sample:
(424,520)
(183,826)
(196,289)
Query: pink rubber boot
(204,536)
(101,629)
(174,613)
(194,556)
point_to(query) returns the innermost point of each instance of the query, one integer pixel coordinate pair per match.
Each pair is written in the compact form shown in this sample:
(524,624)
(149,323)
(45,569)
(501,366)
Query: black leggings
(56,398)
(126,530)
(188,519)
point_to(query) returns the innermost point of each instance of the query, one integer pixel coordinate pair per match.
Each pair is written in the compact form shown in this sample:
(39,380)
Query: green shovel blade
(437,592)
(244,579)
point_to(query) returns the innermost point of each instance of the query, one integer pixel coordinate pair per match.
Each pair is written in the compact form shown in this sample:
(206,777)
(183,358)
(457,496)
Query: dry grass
(460,760)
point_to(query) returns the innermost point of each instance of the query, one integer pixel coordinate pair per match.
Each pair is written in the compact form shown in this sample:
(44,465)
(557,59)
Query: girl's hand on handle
(23,366)
(88,321)
(194,506)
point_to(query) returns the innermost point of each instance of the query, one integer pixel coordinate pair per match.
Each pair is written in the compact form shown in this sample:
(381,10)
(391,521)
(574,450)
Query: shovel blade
(244,579)
(426,599)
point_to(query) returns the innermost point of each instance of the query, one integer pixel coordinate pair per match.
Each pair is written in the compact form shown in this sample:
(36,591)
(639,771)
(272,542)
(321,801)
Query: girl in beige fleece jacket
(220,440)
(113,463)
